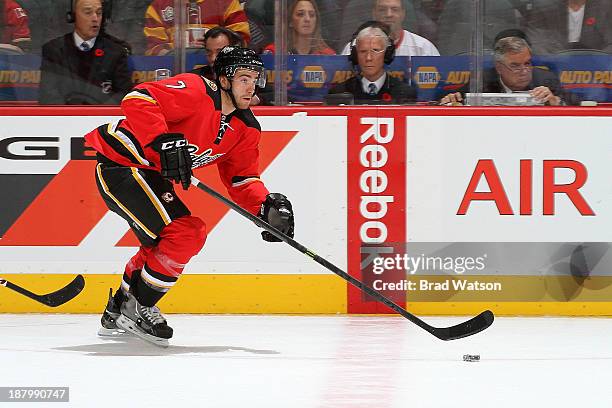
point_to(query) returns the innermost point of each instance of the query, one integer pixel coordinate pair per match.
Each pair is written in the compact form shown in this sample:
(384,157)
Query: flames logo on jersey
(167,197)
(202,159)
(168,13)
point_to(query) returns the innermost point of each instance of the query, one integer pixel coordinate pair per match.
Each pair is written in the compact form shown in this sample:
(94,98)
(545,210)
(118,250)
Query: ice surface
(321,361)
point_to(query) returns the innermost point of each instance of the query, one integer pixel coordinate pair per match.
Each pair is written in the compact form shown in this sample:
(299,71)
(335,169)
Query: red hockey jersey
(191,105)
(14,27)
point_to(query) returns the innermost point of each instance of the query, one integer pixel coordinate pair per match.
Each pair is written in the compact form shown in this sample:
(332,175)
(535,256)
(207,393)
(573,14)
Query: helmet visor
(261,73)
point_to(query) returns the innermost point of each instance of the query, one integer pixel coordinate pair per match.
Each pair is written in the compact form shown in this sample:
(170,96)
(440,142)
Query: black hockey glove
(277,212)
(174,157)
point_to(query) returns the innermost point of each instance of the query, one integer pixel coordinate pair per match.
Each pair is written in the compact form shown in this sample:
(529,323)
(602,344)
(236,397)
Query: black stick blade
(465,329)
(54,299)
(65,294)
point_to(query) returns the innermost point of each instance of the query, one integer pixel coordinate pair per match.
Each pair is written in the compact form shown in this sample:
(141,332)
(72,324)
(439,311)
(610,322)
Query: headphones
(389,51)
(107,9)
(233,37)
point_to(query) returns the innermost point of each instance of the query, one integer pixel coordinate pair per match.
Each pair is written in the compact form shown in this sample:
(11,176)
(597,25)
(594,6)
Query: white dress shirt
(365,83)
(574,24)
(78,41)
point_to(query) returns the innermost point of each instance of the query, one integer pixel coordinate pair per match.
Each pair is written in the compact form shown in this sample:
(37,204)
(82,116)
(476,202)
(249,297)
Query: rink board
(318,158)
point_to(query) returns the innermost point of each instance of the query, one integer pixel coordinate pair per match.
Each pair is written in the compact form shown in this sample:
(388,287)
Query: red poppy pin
(386,97)
(99,53)
(590,21)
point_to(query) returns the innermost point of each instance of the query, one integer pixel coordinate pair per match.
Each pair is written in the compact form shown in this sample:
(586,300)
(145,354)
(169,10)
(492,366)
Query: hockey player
(172,126)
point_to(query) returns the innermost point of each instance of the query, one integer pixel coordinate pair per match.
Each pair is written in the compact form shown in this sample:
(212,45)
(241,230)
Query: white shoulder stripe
(136,94)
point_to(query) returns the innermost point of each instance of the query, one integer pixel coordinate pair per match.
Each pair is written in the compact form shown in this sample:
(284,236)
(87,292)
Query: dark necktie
(85,46)
(372,89)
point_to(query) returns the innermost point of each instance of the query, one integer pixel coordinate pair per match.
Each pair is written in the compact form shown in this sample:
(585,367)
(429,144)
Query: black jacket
(74,77)
(547,27)
(393,91)
(541,77)
(205,71)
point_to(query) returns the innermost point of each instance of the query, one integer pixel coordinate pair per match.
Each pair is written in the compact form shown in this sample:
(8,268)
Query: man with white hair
(371,49)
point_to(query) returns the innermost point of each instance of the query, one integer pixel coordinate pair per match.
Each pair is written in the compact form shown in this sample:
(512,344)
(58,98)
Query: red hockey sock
(179,242)
(136,263)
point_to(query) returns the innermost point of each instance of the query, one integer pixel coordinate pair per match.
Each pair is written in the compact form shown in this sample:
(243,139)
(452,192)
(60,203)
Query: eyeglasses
(370,52)
(516,68)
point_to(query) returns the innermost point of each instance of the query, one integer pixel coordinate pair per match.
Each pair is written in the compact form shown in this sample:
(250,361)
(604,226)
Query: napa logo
(427,77)
(313,76)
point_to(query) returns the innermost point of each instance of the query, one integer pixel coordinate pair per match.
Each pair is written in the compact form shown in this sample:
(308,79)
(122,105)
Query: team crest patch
(107,87)
(168,13)
(20,13)
(210,83)
(167,197)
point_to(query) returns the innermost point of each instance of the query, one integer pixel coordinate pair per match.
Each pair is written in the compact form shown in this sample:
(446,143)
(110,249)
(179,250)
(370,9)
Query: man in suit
(371,49)
(514,72)
(570,24)
(87,66)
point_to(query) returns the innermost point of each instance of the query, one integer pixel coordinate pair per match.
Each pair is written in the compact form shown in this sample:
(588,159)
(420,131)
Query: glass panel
(55,67)
(570,41)
(322,63)
(554,51)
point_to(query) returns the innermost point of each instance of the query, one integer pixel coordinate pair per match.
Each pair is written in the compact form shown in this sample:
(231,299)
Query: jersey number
(180,85)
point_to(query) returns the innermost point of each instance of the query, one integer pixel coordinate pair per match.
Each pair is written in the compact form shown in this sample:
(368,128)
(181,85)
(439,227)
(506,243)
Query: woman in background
(304,36)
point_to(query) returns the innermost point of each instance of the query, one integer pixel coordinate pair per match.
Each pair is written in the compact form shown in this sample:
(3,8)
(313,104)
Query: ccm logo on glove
(173,144)
(174,158)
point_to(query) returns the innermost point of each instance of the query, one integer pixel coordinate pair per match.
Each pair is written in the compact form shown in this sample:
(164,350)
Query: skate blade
(130,326)
(116,333)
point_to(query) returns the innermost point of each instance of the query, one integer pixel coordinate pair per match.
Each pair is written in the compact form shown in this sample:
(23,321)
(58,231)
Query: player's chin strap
(228,91)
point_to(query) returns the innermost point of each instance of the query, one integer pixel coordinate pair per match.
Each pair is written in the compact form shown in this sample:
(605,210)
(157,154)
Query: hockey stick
(467,328)
(54,299)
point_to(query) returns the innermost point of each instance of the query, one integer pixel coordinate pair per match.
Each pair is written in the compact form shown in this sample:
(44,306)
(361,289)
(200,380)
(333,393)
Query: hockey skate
(109,319)
(145,322)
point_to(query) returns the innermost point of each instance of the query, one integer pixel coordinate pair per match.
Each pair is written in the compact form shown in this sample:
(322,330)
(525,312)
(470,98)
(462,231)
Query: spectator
(203,14)
(304,36)
(570,24)
(214,41)
(393,13)
(260,15)
(339,23)
(86,66)
(457,19)
(514,72)
(14,29)
(371,49)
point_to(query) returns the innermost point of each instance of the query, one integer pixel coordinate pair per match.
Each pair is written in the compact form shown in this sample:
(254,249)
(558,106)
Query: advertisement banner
(58,223)
(520,205)
(309,77)
(376,198)
(487,206)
